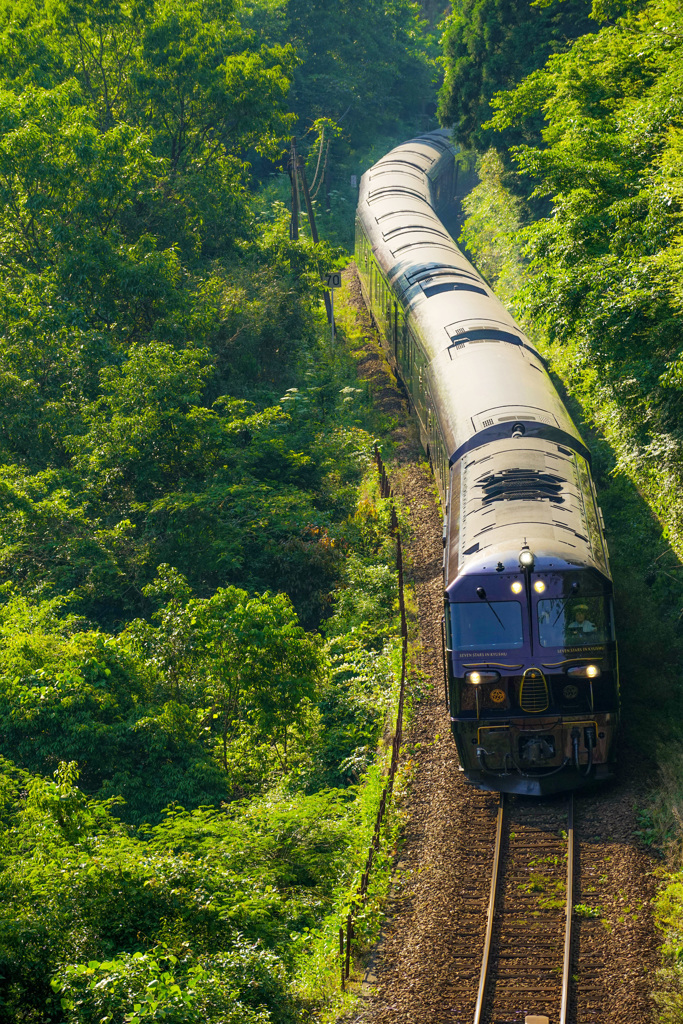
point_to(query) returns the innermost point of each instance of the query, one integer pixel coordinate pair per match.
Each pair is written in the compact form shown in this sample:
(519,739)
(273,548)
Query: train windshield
(496,625)
(573,622)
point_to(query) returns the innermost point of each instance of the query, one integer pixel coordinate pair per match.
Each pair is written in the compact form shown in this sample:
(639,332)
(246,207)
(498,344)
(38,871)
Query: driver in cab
(581,623)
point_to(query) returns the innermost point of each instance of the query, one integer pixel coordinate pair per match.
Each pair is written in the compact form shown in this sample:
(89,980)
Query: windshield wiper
(562,606)
(574,592)
(481,593)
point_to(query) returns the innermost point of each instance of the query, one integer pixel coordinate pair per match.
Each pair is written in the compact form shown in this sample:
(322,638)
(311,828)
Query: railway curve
(440,897)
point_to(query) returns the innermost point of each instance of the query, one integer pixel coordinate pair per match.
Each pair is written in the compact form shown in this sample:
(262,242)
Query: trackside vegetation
(583,239)
(198,603)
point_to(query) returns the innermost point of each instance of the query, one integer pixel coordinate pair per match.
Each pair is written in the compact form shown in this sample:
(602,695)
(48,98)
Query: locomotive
(530,655)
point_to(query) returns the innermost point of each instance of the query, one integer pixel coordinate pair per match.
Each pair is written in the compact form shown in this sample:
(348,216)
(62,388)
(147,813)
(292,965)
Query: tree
(490,46)
(365,65)
(149,431)
(244,658)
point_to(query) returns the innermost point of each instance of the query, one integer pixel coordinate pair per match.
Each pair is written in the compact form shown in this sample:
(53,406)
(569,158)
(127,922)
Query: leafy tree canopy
(606,260)
(491,45)
(197,598)
(365,65)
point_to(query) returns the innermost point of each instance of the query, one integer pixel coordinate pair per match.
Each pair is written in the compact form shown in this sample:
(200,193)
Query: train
(530,654)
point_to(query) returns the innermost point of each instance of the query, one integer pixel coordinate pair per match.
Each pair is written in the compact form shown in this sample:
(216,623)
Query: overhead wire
(322,177)
(320,153)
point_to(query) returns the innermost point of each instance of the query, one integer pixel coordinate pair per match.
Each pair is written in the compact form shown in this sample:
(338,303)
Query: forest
(197,583)
(198,589)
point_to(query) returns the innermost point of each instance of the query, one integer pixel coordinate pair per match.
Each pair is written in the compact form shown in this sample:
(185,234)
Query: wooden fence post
(345,948)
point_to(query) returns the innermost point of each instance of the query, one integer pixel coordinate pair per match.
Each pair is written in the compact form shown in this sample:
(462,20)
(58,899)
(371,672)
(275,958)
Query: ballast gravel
(411,976)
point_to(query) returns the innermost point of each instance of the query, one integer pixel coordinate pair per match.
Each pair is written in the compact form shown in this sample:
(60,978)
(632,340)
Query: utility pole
(297,172)
(314,235)
(307,197)
(293,166)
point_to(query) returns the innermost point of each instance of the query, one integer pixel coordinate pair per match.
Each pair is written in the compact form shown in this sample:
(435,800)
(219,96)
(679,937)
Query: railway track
(428,966)
(526,968)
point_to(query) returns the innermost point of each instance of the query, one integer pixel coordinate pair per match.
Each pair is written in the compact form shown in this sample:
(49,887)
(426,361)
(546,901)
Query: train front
(531,656)
(533,675)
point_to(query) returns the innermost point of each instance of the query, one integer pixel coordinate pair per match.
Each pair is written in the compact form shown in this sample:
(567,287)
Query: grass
(318,981)
(583,910)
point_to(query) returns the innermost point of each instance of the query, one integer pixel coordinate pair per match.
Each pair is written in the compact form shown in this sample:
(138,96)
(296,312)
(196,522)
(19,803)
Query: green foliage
(211,700)
(197,591)
(362,62)
(148,431)
(86,697)
(669,914)
(369,597)
(223,493)
(245,658)
(157,986)
(354,703)
(491,45)
(491,230)
(205,912)
(149,715)
(196,915)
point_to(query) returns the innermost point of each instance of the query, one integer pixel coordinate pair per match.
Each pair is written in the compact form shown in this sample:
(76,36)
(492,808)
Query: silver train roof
(484,375)
(476,386)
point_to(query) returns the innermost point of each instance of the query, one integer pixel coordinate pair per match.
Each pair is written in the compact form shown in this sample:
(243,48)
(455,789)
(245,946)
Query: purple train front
(531,660)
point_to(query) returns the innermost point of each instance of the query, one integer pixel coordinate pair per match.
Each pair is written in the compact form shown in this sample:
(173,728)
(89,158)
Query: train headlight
(516,587)
(526,558)
(477,678)
(584,671)
(539,586)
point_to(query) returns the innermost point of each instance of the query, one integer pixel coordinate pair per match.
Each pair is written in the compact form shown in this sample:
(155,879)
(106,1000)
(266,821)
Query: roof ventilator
(451,286)
(521,484)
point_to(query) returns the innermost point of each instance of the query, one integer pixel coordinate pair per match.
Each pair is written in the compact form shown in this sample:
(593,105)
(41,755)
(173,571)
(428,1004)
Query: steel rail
(564,1008)
(483,977)
(569,909)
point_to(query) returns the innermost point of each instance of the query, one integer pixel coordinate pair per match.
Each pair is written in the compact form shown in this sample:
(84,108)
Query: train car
(531,657)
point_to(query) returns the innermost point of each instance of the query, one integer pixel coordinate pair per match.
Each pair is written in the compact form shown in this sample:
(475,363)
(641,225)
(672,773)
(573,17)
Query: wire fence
(346,933)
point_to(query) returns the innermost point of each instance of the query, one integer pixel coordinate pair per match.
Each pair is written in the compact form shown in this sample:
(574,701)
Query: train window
(484,624)
(574,622)
(449,639)
(592,523)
